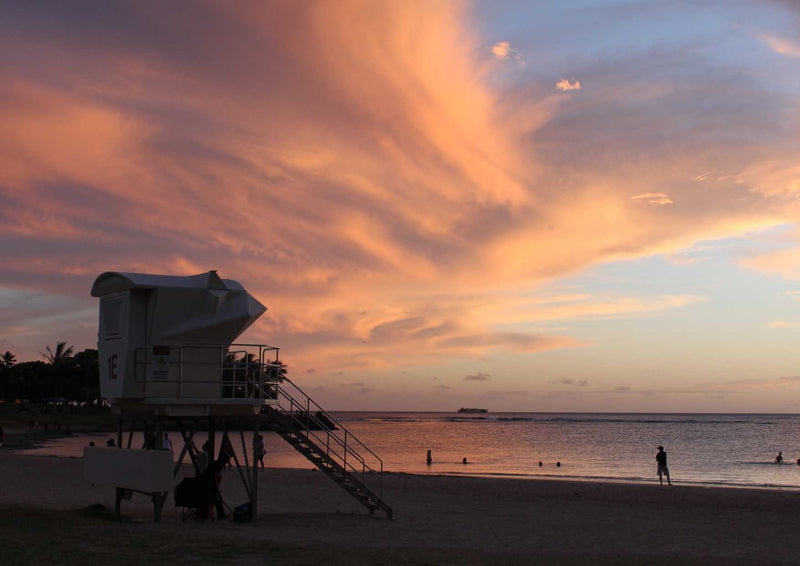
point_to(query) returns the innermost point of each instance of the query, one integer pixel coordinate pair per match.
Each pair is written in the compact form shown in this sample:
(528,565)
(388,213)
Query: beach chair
(194,497)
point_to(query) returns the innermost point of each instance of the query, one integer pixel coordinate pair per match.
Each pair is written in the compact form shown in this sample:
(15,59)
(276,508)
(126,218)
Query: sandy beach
(447,520)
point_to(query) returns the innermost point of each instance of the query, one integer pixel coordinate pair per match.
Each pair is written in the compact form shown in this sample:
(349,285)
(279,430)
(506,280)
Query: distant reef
(471,410)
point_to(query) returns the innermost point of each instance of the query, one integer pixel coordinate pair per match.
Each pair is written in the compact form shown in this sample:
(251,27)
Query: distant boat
(471,410)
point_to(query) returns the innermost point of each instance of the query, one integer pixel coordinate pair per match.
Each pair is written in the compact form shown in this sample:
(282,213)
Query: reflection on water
(718,449)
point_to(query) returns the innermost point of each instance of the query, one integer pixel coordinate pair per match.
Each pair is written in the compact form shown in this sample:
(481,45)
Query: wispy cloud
(653,198)
(781,45)
(784,261)
(480,376)
(783,324)
(579,382)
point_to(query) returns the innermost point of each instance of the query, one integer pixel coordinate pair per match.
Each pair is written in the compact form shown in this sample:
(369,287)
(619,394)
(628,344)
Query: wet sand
(447,520)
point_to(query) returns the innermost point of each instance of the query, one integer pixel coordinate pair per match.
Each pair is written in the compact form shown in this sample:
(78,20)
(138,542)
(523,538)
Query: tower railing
(207,371)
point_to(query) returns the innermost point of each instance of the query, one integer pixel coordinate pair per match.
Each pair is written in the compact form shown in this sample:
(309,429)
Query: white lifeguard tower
(168,358)
(166,346)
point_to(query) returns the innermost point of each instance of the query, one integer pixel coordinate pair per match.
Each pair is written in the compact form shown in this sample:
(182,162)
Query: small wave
(771,464)
(603,420)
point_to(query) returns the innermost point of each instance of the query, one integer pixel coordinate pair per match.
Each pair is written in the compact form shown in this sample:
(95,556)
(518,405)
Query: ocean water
(713,449)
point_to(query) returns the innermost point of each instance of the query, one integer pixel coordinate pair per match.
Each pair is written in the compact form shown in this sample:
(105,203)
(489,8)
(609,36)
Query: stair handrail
(348,449)
(328,416)
(341,458)
(302,418)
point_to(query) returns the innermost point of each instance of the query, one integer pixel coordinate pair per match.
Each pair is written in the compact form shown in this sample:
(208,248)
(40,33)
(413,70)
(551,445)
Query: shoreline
(23,442)
(615,481)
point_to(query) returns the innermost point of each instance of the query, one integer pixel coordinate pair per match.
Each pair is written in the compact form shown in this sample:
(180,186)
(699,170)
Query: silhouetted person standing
(429,459)
(258,450)
(661,458)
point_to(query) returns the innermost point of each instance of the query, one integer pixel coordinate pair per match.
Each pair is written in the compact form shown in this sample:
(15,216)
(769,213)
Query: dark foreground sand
(445,520)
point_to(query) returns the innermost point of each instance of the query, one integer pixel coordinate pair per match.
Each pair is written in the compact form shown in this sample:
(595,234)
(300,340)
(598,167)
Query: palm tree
(56,358)
(8,359)
(276,370)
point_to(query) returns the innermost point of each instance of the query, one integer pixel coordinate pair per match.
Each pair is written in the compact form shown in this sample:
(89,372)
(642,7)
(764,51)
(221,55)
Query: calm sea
(734,450)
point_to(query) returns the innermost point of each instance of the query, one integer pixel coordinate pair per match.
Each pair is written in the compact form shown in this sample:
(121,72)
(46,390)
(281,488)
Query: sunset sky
(584,205)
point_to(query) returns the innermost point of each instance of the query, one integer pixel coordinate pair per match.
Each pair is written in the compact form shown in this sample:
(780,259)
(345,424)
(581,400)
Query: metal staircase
(323,440)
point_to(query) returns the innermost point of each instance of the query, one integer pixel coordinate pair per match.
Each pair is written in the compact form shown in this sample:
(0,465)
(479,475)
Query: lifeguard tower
(168,360)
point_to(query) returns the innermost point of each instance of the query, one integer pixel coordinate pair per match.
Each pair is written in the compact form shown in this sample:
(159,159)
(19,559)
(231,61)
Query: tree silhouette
(59,356)
(276,370)
(58,359)
(8,359)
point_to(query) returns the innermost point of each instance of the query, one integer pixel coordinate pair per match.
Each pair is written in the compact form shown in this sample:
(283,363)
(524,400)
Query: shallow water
(735,450)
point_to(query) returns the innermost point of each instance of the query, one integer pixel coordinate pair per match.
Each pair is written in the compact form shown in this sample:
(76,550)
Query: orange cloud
(501,50)
(357,167)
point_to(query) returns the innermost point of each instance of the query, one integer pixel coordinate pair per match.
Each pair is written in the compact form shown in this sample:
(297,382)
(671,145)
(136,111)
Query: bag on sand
(242,513)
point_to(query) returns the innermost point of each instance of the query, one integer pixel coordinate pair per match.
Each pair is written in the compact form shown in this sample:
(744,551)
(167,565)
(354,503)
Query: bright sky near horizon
(583,205)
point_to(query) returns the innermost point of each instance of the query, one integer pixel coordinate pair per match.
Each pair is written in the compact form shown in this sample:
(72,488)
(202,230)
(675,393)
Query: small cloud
(580,383)
(654,198)
(311,370)
(783,324)
(442,386)
(565,85)
(622,388)
(501,50)
(781,45)
(682,260)
(794,295)
(508,393)
(480,376)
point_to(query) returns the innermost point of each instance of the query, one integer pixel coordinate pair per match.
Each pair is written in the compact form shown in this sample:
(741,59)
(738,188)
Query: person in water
(661,458)
(429,458)
(779,458)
